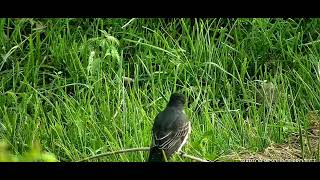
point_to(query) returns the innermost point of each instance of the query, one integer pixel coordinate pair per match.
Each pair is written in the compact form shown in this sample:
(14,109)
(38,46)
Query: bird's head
(177,99)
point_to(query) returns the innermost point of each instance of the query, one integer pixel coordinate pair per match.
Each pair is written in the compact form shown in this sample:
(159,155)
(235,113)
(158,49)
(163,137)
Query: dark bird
(170,130)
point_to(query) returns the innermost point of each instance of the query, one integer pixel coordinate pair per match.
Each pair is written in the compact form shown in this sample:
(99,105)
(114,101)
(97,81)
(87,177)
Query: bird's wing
(172,140)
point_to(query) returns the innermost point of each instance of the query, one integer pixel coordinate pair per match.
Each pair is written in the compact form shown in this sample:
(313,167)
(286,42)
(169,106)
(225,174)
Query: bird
(170,131)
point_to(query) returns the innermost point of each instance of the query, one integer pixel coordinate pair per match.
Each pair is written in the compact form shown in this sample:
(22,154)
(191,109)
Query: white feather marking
(186,137)
(163,136)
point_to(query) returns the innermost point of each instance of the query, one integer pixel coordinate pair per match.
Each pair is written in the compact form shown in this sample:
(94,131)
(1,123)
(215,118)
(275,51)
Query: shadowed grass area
(86,86)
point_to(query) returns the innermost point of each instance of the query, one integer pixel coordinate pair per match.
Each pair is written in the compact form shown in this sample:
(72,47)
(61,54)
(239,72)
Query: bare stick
(115,152)
(182,154)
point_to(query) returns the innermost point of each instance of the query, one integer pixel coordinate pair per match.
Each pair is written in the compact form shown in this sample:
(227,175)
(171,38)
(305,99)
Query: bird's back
(169,132)
(169,119)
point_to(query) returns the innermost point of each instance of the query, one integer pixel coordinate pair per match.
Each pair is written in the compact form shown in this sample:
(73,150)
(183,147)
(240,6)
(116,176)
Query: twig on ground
(182,154)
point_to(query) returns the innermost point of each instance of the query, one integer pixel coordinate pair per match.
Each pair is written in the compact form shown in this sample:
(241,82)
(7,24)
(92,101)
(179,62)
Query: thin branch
(115,152)
(182,154)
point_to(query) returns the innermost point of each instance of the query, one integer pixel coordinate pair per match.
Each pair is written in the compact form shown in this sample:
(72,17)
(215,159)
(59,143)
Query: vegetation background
(80,87)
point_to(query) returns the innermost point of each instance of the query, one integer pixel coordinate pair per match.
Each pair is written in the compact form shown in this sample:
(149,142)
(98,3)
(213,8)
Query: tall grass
(61,82)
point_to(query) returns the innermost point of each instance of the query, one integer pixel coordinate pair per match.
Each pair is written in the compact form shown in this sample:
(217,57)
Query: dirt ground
(291,151)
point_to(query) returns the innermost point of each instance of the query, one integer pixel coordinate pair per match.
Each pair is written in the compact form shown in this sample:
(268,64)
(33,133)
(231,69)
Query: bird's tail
(156,155)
